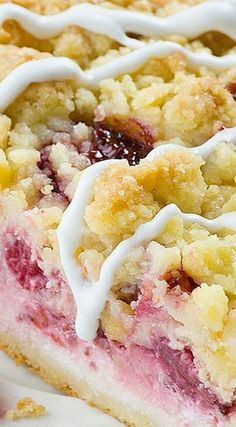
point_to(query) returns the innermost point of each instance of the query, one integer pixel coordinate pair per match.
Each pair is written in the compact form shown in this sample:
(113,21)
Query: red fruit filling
(181,279)
(18,257)
(57,326)
(181,375)
(232,88)
(177,365)
(105,143)
(45,166)
(112,144)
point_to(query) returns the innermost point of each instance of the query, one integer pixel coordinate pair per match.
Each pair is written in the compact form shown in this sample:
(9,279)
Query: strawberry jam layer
(20,261)
(160,373)
(182,376)
(55,325)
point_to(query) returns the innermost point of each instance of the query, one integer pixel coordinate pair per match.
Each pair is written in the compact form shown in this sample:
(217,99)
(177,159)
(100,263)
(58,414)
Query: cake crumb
(25,407)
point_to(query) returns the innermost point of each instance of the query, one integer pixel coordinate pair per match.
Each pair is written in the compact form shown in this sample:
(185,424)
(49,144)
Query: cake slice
(117,200)
(146,308)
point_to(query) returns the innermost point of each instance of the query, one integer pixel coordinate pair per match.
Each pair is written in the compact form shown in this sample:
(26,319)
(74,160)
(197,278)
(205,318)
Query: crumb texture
(25,408)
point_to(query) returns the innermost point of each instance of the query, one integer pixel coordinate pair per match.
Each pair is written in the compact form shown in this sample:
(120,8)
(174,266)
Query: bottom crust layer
(57,376)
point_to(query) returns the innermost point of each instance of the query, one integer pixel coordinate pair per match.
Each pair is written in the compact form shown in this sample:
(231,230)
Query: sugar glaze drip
(88,17)
(115,23)
(50,69)
(90,297)
(204,150)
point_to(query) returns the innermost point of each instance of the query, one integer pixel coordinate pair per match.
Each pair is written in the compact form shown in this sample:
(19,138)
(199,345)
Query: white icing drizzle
(86,295)
(88,17)
(61,68)
(204,150)
(90,298)
(190,23)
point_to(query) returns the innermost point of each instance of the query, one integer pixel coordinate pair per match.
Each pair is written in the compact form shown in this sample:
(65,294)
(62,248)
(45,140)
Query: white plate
(61,411)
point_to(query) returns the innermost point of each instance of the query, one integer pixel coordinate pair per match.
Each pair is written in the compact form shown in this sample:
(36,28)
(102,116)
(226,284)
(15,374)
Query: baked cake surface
(118,204)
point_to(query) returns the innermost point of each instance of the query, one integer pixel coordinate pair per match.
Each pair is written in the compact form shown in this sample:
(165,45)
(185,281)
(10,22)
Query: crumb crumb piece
(26,407)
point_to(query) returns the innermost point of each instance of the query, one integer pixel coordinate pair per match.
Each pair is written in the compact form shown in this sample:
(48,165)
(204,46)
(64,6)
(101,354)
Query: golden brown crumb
(26,407)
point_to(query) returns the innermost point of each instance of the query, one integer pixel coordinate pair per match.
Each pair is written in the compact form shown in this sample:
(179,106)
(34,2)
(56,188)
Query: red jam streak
(45,166)
(105,144)
(57,326)
(181,376)
(111,144)
(19,260)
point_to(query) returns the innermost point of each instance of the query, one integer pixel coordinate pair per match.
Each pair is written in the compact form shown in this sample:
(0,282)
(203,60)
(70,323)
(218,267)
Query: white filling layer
(90,297)
(50,69)
(190,23)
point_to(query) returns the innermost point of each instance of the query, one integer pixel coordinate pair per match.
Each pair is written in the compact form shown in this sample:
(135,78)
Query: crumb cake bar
(118,204)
